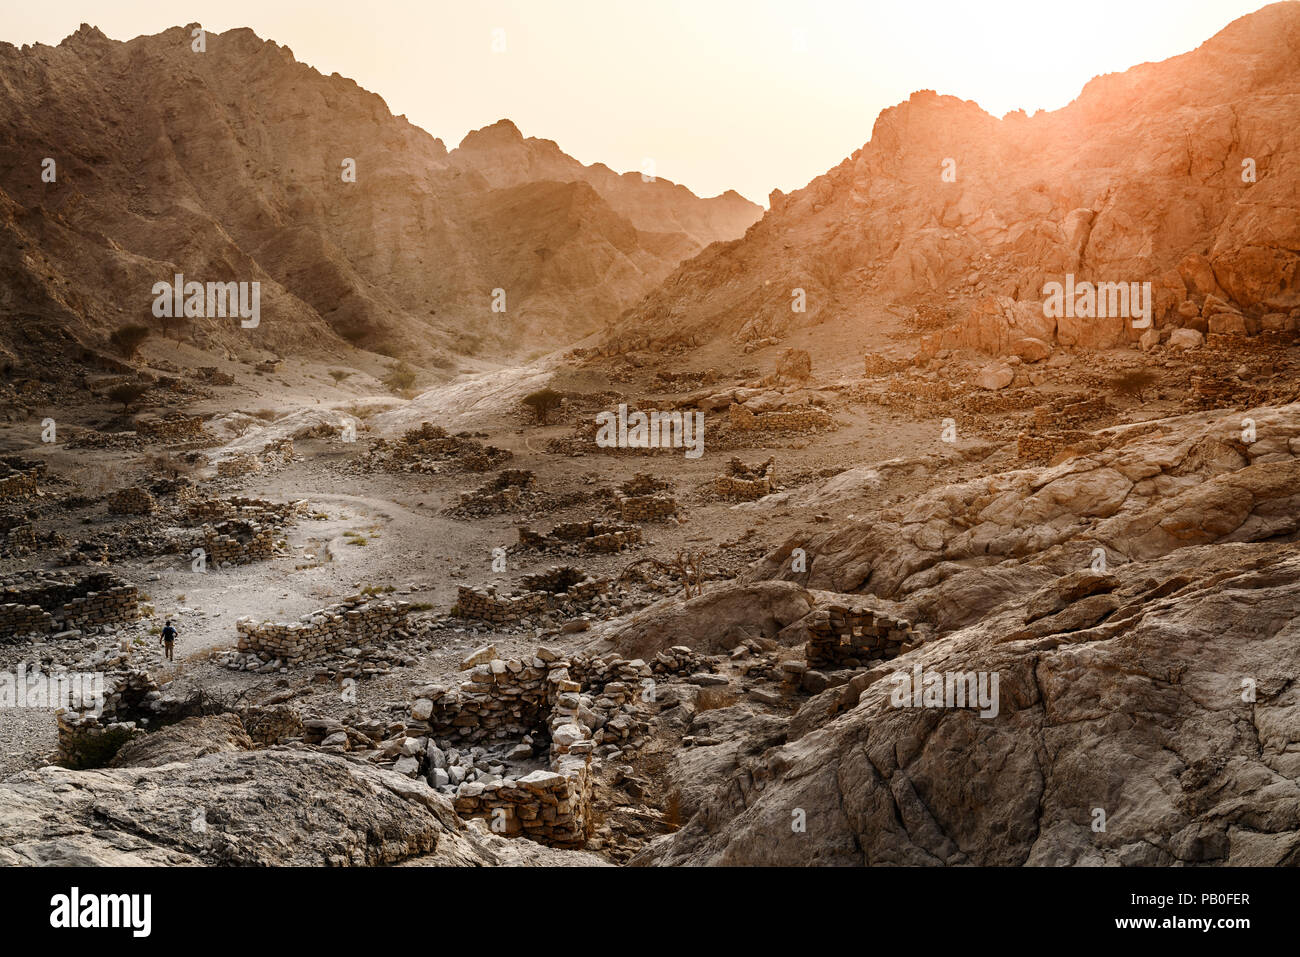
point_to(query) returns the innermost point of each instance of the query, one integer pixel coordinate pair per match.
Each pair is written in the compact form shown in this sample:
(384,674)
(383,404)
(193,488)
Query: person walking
(169,639)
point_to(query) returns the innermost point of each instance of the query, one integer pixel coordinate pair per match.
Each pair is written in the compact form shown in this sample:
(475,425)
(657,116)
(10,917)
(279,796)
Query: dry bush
(128,393)
(400,378)
(1134,383)
(128,340)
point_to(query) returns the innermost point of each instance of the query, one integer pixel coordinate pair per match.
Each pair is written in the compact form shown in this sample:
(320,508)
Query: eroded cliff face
(1179,173)
(231,165)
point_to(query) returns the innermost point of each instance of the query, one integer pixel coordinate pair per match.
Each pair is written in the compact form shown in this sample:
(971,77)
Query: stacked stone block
(322,633)
(592,535)
(743,483)
(511,698)
(843,637)
(20,478)
(794,420)
(237,542)
(58,601)
(131,501)
(646,508)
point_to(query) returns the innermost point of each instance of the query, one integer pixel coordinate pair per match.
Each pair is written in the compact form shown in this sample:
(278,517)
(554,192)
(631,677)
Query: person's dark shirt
(169,633)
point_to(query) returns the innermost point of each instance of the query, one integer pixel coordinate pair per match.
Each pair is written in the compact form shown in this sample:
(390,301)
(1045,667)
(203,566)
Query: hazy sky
(722,94)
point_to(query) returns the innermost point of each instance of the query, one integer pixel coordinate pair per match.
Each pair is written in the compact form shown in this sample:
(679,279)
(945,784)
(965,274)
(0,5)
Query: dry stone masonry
(19,478)
(594,536)
(52,602)
(323,633)
(745,483)
(238,542)
(559,588)
(794,420)
(530,697)
(131,501)
(843,637)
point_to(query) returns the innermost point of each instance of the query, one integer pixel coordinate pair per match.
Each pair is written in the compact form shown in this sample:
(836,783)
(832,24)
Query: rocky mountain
(1180,173)
(122,164)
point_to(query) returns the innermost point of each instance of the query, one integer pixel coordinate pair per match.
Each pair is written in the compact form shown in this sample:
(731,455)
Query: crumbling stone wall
(132,699)
(558,587)
(213,376)
(1064,413)
(238,542)
(272,724)
(744,482)
(516,697)
(322,633)
(594,536)
(794,420)
(646,508)
(273,455)
(843,637)
(257,510)
(504,492)
(177,428)
(427,448)
(484,604)
(1045,447)
(47,602)
(131,501)
(20,478)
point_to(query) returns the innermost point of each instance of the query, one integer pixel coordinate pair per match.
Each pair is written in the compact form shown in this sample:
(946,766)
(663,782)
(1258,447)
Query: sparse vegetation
(129,339)
(1134,383)
(128,393)
(338,375)
(542,403)
(400,378)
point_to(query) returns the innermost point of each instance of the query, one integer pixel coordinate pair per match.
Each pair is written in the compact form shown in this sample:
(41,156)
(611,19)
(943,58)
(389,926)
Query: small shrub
(129,339)
(400,378)
(1134,383)
(128,393)
(543,402)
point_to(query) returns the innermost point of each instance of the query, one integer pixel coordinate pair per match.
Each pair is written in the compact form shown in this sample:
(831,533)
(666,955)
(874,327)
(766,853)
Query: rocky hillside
(228,165)
(1137,601)
(1146,176)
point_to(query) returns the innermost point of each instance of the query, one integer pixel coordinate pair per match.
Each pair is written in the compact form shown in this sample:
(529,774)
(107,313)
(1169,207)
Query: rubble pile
(428,449)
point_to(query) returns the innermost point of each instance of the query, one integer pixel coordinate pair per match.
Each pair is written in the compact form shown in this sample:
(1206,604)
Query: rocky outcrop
(281,806)
(1164,734)
(1146,490)
(762,609)
(1179,173)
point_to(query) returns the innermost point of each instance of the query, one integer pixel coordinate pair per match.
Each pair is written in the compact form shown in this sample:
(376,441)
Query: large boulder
(761,609)
(277,807)
(1173,721)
